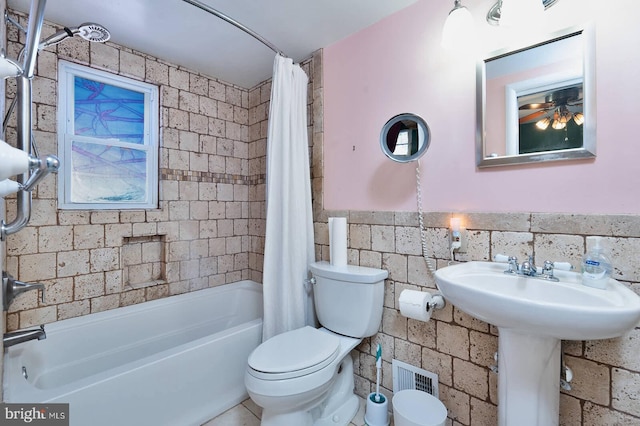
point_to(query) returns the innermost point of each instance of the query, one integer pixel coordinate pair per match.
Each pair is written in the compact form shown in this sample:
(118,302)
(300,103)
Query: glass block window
(107,140)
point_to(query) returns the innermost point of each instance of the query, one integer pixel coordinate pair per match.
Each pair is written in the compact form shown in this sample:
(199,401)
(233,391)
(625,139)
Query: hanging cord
(423,233)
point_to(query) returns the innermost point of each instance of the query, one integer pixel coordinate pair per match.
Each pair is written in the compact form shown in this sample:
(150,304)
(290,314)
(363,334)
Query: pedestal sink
(533,316)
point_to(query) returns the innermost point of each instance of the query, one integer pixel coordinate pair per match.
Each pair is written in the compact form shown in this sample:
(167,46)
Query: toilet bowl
(295,373)
(304,377)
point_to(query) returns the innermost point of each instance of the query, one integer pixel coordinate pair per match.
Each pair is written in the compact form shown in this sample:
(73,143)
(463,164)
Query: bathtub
(176,361)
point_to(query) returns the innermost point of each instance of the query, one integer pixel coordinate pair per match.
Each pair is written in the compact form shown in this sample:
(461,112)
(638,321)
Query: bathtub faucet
(12,287)
(16,337)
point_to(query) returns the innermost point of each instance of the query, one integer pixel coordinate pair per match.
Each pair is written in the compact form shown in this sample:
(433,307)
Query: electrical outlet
(458,240)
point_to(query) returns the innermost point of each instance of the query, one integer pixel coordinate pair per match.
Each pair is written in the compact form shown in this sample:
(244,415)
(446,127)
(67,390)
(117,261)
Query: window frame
(67,72)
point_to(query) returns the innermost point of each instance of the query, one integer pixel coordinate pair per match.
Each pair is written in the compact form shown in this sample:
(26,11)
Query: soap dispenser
(596,266)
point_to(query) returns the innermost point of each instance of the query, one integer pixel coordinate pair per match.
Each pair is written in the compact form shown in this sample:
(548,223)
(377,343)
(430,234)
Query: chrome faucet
(16,337)
(12,287)
(528,268)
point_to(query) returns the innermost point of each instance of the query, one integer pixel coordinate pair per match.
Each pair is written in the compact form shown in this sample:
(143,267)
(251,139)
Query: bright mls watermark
(34,414)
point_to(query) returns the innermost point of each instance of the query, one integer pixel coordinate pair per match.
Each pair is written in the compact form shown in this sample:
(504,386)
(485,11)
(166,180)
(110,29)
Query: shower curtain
(289,245)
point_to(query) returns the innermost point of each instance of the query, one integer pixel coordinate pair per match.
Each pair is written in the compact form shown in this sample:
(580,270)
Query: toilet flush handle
(309,283)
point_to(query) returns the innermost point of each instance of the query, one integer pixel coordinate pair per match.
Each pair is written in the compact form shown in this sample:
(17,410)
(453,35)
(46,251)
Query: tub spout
(12,287)
(16,337)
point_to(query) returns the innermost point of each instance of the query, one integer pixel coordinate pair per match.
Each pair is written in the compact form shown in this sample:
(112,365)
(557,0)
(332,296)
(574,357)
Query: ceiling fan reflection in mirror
(556,107)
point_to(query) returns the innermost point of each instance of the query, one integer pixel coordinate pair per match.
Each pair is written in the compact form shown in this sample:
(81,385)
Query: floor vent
(406,376)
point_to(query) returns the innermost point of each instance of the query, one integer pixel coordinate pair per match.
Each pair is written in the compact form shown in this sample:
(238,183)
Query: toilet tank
(348,299)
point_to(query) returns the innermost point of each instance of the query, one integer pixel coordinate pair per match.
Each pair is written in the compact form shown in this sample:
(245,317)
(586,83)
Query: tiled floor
(248,414)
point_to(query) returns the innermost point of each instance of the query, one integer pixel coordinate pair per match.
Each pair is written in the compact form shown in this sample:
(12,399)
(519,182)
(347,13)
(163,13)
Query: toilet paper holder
(419,305)
(437,302)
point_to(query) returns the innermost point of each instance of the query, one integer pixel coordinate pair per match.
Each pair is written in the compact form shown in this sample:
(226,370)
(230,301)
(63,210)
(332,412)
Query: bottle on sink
(596,266)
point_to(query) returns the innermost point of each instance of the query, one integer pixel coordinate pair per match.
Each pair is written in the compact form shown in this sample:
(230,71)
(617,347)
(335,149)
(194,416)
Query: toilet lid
(295,350)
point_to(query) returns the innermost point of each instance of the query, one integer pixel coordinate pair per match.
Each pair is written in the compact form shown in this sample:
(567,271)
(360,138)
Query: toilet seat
(294,354)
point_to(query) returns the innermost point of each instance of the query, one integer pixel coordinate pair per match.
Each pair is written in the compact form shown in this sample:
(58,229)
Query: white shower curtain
(289,245)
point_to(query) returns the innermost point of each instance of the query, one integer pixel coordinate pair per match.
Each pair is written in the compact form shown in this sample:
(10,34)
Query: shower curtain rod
(235,23)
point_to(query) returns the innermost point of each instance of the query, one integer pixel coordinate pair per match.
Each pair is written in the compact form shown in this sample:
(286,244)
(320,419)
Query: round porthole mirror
(405,138)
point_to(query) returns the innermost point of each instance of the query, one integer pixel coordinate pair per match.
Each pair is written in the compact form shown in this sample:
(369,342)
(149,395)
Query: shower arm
(24,115)
(235,23)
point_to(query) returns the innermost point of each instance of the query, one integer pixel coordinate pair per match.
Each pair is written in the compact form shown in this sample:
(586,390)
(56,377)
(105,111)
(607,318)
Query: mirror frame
(396,119)
(588,149)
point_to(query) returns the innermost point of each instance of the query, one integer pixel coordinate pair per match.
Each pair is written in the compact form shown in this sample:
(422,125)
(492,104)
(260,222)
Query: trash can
(416,408)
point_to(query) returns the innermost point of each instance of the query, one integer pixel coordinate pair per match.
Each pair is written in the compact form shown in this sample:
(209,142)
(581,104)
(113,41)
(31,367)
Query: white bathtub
(176,361)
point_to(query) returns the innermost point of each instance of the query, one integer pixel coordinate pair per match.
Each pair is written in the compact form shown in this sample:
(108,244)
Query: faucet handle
(513,265)
(12,287)
(42,289)
(563,266)
(21,285)
(547,271)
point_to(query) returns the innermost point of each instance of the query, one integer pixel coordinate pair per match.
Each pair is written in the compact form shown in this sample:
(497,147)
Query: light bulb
(458,28)
(578,117)
(544,123)
(558,125)
(565,115)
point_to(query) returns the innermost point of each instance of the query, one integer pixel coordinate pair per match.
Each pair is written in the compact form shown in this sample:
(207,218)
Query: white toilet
(304,377)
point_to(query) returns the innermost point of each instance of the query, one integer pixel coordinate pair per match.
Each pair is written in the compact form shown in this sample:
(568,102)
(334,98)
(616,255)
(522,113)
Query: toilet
(304,377)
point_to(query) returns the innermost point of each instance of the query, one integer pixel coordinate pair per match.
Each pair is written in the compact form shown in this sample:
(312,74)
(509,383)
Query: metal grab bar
(24,118)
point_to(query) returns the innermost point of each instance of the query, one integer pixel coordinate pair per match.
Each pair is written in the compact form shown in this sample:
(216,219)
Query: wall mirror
(537,103)
(405,138)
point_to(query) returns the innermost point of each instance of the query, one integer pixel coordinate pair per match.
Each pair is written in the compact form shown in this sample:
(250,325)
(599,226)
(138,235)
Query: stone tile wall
(210,224)
(199,236)
(460,348)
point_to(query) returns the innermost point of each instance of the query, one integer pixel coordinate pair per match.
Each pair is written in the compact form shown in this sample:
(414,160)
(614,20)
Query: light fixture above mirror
(496,11)
(458,28)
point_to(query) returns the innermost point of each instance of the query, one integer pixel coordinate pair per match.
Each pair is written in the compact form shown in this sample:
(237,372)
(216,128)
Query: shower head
(89,31)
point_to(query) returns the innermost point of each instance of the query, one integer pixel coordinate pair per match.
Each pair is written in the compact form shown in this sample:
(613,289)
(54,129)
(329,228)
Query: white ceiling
(183,34)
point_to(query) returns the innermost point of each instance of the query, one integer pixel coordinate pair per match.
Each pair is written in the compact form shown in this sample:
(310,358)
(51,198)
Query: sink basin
(533,316)
(565,310)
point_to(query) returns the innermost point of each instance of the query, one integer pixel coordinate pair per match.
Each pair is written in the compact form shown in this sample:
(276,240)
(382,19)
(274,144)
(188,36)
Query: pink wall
(397,65)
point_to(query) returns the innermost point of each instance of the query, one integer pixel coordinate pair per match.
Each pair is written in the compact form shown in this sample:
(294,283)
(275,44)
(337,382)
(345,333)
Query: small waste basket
(416,408)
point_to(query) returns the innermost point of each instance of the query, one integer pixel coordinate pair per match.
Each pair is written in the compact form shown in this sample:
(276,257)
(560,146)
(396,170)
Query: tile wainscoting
(460,348)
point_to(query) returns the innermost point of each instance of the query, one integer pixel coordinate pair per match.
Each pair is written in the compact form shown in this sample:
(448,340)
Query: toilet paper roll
(413,304)
(338,241)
